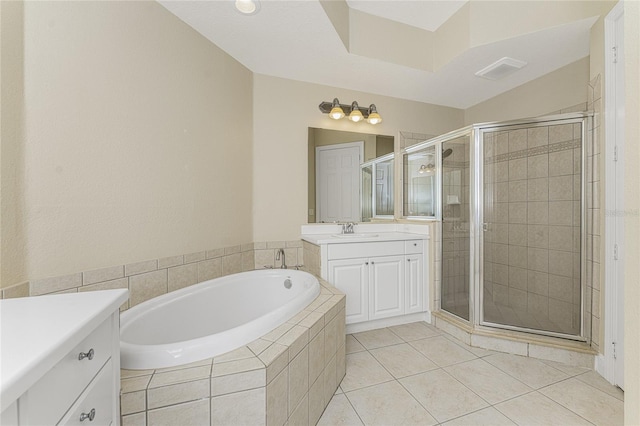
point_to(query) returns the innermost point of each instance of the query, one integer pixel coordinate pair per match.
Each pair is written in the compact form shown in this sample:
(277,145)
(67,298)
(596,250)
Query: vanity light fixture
(248,7)
(353,112)
(426,168)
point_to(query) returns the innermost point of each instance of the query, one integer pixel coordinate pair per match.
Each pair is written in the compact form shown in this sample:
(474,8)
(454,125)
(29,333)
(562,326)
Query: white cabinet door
(414,280)
(386,298)
(351,277)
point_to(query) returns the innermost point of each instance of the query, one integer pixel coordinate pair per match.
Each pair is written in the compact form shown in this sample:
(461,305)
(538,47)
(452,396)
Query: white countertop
(364,237)
(37,332)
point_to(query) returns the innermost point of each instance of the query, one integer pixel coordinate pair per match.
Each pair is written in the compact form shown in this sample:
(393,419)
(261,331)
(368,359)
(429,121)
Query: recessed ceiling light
(501,68)
(248,7)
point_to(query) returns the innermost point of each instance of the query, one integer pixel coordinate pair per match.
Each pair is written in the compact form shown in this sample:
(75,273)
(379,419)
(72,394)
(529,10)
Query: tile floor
(416,374)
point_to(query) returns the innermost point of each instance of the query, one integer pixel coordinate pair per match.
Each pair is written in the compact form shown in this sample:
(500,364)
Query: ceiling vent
(501,68)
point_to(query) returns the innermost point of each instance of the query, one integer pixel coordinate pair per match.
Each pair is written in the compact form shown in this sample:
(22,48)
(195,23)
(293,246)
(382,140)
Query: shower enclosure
(512,209)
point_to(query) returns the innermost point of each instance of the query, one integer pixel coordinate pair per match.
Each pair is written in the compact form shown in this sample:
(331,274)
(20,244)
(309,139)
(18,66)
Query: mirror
(340,155)
(420,168)
(377,188)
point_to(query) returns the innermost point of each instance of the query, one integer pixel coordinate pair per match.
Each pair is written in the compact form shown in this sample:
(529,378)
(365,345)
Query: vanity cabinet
(381,279)
(63,356)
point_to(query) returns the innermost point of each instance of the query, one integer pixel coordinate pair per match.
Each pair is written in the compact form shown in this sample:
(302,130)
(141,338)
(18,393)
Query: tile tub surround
(288,375)
(152,278)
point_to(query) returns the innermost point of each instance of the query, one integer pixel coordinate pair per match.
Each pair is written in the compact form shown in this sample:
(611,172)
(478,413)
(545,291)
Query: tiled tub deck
(288,375)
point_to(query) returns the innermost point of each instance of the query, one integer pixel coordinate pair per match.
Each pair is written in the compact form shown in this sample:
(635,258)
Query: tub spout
(280,252)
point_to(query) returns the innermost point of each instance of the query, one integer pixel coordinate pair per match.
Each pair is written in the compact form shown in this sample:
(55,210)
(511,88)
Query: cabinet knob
(83,355)
(91,415)
(372,262)
(415,244)
(366,263)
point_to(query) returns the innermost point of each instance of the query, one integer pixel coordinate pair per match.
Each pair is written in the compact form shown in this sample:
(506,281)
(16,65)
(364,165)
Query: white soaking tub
(212,318)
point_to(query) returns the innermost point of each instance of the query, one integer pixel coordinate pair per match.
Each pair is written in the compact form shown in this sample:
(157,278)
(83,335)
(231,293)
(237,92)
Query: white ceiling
(428,15)
(296,40)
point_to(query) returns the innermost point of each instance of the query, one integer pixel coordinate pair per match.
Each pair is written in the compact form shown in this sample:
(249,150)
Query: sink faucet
(347,228)
(279,253)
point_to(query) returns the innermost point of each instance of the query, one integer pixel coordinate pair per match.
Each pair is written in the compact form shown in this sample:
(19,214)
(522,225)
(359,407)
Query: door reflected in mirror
(336,182)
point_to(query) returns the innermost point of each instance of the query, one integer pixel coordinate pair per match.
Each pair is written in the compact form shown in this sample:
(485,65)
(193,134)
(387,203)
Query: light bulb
(355,115)
(374,118)
(336,113)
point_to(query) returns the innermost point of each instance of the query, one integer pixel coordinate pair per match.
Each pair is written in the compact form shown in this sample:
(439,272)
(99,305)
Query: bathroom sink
(356,235)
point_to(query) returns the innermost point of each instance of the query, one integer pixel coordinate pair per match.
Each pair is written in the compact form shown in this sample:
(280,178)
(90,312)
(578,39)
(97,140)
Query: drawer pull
(84,355)
(91,415)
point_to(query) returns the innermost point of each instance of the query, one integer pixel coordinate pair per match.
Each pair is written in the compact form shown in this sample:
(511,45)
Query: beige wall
(12,238)
(281,149)
(632,221)
(137,140)
(559,89)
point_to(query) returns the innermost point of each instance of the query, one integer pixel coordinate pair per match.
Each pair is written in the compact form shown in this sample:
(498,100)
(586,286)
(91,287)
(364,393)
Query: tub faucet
(279,253)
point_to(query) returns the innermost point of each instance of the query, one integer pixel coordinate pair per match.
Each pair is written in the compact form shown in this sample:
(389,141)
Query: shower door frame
(477,182)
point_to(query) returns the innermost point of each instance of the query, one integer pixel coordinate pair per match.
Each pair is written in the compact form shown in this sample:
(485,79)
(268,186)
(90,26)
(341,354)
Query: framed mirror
(335,188)
(420,183)
(377,188)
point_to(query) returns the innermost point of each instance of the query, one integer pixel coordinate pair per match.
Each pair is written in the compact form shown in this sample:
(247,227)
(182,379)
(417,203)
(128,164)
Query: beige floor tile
(353,345)
(597,381)
(492,384)
(442,395)
(485,417)
(402,360)
(377,338)
(479,352)
(536,409)
(529,371)
(571,370)
(339,412)
(363,370)
(414,331)
(587,401)
(442,351)
(389,404)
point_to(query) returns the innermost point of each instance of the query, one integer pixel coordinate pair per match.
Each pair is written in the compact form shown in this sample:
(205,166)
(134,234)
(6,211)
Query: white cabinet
(381,279)
(386,283)
(63,359)
(414,287)
(352,277)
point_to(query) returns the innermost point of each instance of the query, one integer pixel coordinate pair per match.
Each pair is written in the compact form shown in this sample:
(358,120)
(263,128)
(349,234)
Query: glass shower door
(456,256)
(532,216)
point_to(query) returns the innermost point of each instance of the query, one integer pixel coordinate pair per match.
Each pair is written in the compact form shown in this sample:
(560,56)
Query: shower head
(446,153)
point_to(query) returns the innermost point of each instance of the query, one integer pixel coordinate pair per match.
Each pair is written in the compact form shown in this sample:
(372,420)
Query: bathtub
(211,318)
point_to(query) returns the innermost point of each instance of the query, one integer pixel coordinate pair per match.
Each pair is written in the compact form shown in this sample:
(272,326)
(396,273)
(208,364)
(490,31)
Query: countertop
(366,237)
(37,332)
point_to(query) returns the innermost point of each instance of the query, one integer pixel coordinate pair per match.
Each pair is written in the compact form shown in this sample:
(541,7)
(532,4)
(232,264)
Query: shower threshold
(571,352)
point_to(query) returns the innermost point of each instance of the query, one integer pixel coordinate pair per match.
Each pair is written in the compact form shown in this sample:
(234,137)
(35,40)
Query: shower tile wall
(532,243)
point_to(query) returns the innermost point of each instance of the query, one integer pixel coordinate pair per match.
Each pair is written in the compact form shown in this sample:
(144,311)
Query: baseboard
(388,322)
